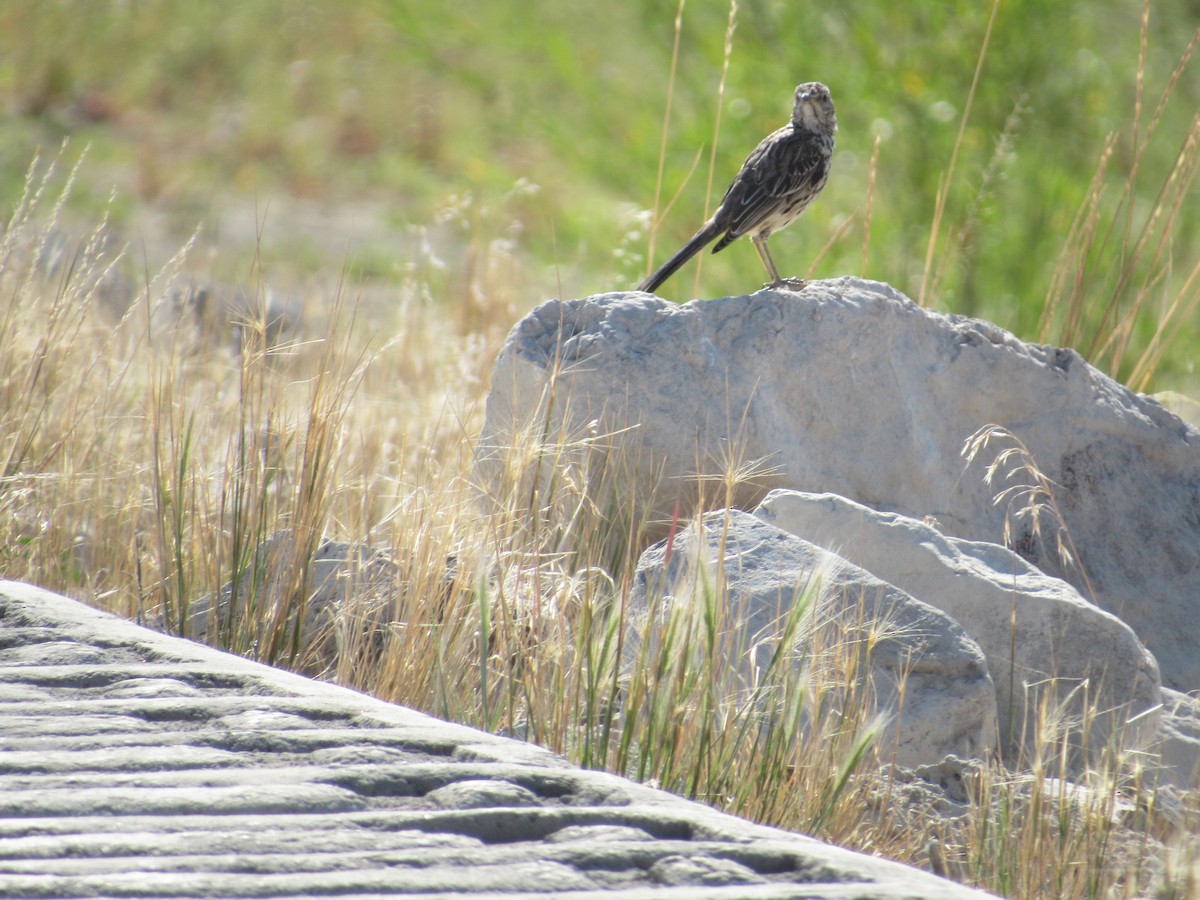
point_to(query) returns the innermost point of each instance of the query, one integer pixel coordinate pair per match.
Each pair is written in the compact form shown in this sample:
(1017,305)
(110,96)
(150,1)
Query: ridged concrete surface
(133,764)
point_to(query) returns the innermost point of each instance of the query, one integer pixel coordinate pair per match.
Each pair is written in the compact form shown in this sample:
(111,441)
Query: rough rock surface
(758,570)
(1036,632)
(137,764)
(350,594)
(1180,738)
(849,388)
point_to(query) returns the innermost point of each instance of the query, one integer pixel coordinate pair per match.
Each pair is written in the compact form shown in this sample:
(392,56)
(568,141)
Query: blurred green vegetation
(193,108)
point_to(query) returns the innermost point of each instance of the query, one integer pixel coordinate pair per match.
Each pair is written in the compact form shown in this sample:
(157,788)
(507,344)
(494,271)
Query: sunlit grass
(149,455)
(391,110)
(149,468)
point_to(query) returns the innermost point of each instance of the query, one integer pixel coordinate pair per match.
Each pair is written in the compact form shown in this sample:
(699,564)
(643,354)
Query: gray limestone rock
(759,573)
(195,313)
(1037,633)
(261,783)
(1180,738)
(849,388)
(345,598)
(482,794)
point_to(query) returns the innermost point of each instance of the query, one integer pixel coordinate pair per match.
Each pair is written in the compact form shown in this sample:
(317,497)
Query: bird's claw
(787,284)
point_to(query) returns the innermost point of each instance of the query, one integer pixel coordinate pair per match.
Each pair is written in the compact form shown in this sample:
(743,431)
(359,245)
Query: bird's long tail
(703,238)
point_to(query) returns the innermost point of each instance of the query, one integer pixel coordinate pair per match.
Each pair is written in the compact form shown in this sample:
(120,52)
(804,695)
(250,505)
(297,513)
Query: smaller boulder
(1042,640)
(333,602)
(915,663)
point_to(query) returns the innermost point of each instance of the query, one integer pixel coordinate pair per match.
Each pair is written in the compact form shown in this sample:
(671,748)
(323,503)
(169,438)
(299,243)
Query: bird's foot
(787,284)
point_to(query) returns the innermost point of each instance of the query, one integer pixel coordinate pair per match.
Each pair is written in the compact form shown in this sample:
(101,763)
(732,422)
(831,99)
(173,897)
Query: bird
(777,182)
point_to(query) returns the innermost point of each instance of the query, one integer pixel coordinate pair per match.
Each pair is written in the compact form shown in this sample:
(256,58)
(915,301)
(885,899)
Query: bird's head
(814,108)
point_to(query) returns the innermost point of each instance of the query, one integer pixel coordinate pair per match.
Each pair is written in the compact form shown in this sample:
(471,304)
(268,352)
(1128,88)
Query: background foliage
(333,129)
(404,180)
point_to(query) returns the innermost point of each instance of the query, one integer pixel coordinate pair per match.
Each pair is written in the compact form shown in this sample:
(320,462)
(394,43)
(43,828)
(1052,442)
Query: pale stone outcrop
(922,669)
(1037,633)
(848,387)
(138,764)
(1179,746)
(345,594)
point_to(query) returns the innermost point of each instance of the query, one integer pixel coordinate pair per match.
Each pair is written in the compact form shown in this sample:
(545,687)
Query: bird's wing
(785,165)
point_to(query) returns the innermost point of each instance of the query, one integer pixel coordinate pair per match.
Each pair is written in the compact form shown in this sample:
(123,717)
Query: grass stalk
(656,218)
(726,56)
(924,297)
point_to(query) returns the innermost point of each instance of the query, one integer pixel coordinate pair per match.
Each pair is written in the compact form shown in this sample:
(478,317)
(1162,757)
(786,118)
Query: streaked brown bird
(778,181)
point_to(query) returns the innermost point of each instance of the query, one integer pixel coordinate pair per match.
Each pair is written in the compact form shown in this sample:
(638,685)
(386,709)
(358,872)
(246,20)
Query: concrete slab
(134,764)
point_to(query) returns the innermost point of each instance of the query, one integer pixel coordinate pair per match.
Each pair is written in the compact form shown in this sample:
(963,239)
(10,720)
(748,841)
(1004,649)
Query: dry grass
(1117,271)
(147,453)
(148,459)
(147,462)
(930,273)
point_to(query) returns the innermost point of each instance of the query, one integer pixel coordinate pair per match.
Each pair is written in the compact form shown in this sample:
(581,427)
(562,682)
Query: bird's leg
(760,244)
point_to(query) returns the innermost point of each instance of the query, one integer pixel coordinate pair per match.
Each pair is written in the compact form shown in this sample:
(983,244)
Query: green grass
(420,176)
(198,111)
(145,468)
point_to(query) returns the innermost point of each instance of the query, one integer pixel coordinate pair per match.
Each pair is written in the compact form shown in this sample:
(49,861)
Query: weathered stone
(319,790)
(482,794)
(679,871)
(947,704)
(1037,633)
(850,388)
(193,314)
(346,598)
(599,833)
(1180,739)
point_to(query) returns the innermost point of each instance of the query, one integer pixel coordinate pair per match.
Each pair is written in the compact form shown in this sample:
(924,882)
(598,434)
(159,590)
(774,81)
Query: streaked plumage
(777,182)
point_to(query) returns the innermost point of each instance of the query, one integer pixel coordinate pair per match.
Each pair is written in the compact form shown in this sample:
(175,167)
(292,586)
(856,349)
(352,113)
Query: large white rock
(922,668)
(137,764)
(1042,640)
(848,387)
